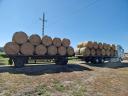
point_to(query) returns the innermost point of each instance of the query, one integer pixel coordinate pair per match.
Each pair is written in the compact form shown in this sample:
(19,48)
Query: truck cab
(120,52)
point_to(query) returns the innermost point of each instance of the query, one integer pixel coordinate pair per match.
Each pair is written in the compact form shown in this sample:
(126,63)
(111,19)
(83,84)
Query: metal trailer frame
(95,59)
(21,60)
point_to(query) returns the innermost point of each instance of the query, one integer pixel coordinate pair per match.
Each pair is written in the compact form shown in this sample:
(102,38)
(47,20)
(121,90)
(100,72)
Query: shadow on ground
(114,65)
(43,69)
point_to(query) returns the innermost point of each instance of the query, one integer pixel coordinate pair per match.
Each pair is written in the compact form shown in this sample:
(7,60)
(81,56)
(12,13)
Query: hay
(70,51)
(95,45)
(20,37)
(103,52)
(11,48)
(62,50)
(52,50)
(98,52)
(40,50)
(66,42)
(35,39)
(47,40)
(85,51)
(27,49)
(93,52)
(100,45)
(77,51)
(57,42)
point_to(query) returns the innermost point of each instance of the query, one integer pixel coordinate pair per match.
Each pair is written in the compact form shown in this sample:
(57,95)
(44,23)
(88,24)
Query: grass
(3,59)
(58,86)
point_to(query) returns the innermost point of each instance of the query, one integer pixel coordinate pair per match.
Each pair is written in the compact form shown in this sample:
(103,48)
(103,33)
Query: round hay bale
(105,46)
(84,44)
(66,42)
(11,48)
(113,47)
(98,52)
(20,37)
(103,52)
(100,45)
(90,44)
(47,41)
(108,53)
(70,51)
(62,50)
(108,46)
(80,45)
(52,50)
(95,45)
(57,42)
(112,52)
(85,51)
(93,52)
(77,51)
(40,50)
(35,39)
(27,49)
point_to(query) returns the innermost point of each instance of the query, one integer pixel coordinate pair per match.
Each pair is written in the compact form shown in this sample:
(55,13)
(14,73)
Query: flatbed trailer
(20,60)
(98,59)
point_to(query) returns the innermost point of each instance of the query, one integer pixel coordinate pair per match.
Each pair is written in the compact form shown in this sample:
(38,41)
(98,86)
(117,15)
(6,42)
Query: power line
(43,23)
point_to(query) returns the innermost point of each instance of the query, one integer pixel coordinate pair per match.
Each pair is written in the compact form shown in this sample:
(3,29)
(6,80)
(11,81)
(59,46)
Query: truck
(118,57)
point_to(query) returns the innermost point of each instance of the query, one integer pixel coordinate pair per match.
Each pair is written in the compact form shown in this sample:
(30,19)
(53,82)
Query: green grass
(58,86)
(3,59)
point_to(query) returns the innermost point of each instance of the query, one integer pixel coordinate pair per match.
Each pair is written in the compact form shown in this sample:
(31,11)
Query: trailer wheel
(101,60)
(97,60)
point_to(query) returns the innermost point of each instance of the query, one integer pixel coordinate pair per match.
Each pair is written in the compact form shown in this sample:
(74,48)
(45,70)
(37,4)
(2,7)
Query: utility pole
(43,23)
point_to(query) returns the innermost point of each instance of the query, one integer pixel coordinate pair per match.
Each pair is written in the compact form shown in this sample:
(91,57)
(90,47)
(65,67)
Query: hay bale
(92,52)
(103,52)
(66,42)
(113,47)
(70,51)
(52,50)
(112,52)
(77,51)
(100,45)
(27,49)
(105,46)
(98,52)
(90,44)
(47,40)
(108,52)
(80,45)
(62,50)
(11,48)
(108,46)
(57,42)
(20,37)
(95,45)
(35,39)
(85,51)
(40,50)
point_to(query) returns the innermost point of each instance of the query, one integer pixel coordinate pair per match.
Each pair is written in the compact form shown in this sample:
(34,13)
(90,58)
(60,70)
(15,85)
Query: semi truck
(118,57)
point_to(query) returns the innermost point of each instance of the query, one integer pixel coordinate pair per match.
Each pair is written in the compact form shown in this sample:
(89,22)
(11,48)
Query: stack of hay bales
(22,44)
(95,49)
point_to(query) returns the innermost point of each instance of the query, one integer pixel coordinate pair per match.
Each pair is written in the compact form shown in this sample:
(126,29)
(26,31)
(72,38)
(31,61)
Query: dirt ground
(74,79)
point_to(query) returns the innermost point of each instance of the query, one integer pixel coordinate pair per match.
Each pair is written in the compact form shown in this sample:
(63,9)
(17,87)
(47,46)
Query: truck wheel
(96,60)
(101,60)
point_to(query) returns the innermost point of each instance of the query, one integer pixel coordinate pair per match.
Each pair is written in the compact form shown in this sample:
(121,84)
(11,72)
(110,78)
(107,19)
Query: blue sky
(78,20)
